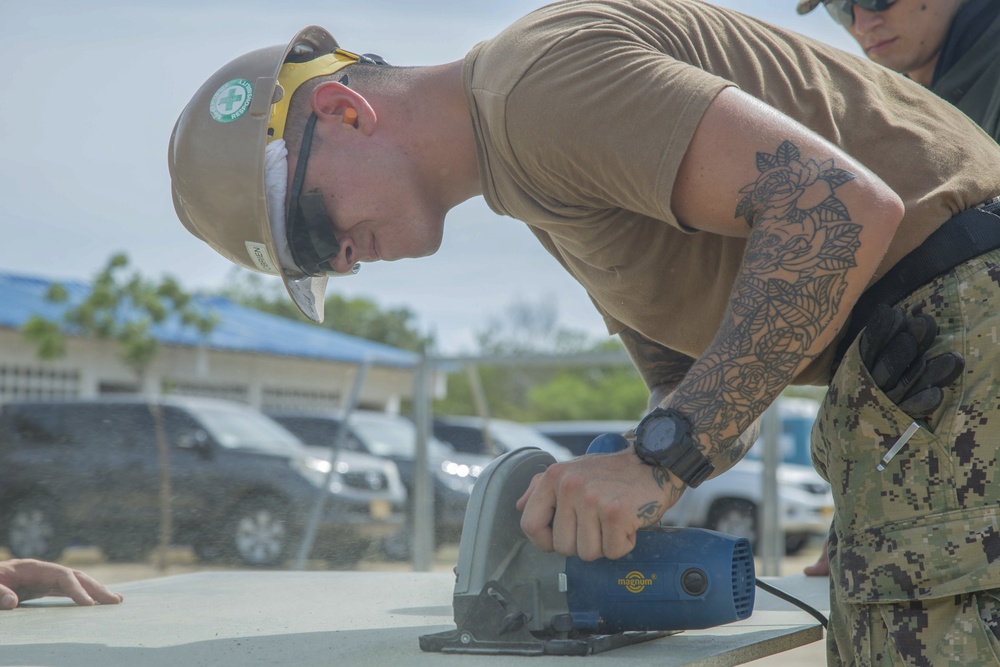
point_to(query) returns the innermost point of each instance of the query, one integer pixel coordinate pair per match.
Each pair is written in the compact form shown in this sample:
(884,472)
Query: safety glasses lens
(842,11)
(310,235)
(308,228)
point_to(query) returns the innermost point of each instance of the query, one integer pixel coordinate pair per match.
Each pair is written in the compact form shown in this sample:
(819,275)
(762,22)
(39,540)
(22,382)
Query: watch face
(660,435)
(663,438)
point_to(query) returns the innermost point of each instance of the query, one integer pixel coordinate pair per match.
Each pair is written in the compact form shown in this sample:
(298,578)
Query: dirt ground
(182,561)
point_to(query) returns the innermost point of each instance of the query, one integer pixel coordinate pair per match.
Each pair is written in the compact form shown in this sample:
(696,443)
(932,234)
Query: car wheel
(345,554)
(735,517)
(127,549)
(795,543)
(34,529)
(258,532)
(209,547)
(396,547)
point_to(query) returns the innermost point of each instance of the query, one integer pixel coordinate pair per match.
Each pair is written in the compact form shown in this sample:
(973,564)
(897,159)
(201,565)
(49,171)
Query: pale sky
(90,91)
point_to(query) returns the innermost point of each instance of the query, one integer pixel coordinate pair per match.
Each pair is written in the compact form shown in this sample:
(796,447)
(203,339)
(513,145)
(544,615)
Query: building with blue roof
(264,360)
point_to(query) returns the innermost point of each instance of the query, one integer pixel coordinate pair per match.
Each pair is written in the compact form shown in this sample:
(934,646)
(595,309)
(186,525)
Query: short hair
(368,75)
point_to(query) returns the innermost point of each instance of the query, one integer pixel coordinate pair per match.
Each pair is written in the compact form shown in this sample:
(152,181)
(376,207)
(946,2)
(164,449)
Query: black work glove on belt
(892,347)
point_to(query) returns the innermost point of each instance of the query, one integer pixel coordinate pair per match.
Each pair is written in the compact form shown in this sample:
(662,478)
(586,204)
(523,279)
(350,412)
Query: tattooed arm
(816,224)
(663,369)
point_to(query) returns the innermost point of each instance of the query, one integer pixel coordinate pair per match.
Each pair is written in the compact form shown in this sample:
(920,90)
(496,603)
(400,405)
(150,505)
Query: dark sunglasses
(842,11)
(308,227)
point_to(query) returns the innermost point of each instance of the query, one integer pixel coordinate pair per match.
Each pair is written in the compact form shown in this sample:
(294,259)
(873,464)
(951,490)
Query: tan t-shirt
(583,111)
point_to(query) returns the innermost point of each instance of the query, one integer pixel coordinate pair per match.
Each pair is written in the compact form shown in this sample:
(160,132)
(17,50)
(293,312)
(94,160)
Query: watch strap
(688,463)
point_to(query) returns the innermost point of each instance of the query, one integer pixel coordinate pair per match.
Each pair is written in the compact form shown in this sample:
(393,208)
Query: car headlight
(459,476)
(319,465)
(316,470)
(461,469)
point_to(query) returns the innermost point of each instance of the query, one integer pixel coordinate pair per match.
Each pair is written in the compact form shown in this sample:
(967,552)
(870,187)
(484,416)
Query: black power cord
(787,597)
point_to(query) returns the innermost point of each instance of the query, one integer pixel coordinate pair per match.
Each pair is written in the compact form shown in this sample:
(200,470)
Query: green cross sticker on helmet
(231,100)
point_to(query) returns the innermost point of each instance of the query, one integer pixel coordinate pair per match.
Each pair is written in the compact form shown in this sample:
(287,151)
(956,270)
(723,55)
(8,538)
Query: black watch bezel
(680,455)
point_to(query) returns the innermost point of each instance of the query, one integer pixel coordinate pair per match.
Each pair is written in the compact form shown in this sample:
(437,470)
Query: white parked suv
(730,502)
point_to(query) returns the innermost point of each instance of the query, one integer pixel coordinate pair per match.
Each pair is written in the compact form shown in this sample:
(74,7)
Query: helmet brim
(806,6)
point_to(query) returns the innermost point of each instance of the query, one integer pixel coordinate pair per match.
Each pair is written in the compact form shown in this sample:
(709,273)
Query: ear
(333,101)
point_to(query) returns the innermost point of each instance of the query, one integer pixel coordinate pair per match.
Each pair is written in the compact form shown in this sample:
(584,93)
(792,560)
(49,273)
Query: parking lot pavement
(183,561)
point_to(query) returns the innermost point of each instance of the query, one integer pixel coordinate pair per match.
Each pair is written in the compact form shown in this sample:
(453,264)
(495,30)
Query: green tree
(355,317)
(528,328)
(542,392)
(119,310)
(593,393)
(124,310)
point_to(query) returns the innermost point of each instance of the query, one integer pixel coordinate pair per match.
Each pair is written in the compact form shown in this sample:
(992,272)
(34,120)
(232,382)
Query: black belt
(962,237)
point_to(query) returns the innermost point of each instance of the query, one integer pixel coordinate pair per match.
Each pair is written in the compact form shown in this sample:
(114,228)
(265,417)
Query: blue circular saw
(512,598)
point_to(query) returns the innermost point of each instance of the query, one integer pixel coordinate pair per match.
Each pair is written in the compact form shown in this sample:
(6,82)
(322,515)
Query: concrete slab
(332,618)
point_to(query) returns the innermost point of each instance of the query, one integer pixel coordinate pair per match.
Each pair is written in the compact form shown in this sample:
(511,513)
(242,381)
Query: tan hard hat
(806,6)
(217,156)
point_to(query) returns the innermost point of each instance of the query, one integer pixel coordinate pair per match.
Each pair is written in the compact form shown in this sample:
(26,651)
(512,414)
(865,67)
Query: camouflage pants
(915,549)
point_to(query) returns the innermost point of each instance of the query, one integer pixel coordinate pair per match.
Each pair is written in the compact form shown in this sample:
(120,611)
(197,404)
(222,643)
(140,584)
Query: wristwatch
(663,438)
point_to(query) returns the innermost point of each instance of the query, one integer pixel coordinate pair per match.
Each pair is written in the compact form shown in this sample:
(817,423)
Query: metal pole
(772,539)
(422,547)
(482,407)
(317,511)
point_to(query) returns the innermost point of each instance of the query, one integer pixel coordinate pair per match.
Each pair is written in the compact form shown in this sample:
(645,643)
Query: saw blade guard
(494,548)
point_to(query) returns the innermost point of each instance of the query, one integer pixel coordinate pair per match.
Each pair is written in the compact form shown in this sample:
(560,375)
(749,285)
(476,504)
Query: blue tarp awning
(239,328)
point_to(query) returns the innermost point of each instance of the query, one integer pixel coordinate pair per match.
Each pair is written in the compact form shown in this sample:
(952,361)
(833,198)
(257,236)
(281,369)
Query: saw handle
(607,443)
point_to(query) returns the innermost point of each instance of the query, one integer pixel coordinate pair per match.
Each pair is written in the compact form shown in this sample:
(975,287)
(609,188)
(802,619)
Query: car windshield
(394,437)
(234,428)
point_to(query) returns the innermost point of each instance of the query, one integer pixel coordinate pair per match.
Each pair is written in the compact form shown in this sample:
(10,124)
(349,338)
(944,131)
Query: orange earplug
(350,116)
